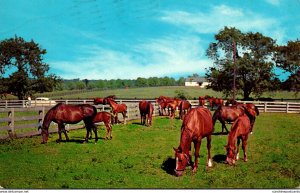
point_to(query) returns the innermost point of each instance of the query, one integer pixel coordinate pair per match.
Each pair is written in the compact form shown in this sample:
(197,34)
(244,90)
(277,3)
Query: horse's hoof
(245,159)
(58,141)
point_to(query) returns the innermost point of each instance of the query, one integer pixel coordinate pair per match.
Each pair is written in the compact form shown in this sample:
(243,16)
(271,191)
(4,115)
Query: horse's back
(242,124)
(199,122)
(102,117)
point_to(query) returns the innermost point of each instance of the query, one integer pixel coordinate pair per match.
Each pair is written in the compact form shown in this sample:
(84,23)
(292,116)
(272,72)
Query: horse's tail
(256,110)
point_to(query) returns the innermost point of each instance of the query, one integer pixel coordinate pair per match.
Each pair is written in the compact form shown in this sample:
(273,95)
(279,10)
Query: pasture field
(154,92)
(143,157)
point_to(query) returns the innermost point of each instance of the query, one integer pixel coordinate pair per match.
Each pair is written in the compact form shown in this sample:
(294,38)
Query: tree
(254,70)
(23,68)
(288,58)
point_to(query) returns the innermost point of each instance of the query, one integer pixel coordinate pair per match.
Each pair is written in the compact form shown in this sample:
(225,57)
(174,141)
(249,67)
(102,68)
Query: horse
(172,105)
(227,114)
(240,130)
(117,108)
(215,102)
(184,108)
(162,108)
(69,114)
(201,101)
(197,124)
(107,119)
(103,101)
(252,112)
(146,111)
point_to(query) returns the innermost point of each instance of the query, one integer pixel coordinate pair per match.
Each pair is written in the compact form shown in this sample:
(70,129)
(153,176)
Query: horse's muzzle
(178,173)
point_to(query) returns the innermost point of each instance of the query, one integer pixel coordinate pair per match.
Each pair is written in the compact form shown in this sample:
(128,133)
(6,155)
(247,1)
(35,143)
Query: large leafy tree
(254,69)
(22,69)
(288,58)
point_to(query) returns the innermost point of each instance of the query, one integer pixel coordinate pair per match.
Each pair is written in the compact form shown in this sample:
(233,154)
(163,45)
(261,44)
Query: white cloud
(155,57)
(222,15)
(273,2)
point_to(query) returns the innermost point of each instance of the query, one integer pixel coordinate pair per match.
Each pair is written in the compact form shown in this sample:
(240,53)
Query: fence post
(41,119)
(265,108)
(287,107)
(6,104)
(11,123)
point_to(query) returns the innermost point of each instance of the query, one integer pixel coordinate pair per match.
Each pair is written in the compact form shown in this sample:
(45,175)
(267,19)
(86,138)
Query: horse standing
(184,108)
(69,114)
(117,108)
(201,101)
(197,124)
(239,131)
(146,111)
(107,119)
(103,101)
(227,114)
(215,102)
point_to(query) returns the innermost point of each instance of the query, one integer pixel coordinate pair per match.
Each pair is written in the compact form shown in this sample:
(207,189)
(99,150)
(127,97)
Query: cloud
(222,15)
(154,57)
(273,2)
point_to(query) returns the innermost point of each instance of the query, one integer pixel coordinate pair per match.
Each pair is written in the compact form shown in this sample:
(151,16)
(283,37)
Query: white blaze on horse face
(176,163)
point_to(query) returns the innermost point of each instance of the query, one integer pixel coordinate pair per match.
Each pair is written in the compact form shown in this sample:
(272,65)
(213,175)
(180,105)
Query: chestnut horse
(103,101)
(184,108)
(240,130)
(227,114)
(107,119)
(172,105)
(201,101)
(69,114)
(146,111)
(117,108)
(215,102)
(197,124)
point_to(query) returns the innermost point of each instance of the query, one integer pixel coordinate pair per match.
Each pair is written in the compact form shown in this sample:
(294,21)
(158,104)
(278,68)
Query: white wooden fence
(15,123)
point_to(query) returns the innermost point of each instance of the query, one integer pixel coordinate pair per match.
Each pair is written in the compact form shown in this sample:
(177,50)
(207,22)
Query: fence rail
(14,123)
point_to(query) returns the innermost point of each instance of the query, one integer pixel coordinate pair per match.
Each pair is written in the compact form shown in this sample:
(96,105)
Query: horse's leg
(95,131)
(209,163)
(60,126)
(252,124)
(65,132)
(107,129)
(88,130)
(124,117)
(237,156)
(244,146)
(197,145)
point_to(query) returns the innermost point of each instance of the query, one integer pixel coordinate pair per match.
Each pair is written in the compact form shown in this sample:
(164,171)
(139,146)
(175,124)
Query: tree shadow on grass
(169,166)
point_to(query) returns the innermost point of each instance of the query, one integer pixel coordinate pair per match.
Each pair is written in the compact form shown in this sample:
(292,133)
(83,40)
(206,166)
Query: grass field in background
(154,92)
(142,157)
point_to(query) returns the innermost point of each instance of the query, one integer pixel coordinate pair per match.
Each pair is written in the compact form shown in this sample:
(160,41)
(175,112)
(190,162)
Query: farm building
(196,81)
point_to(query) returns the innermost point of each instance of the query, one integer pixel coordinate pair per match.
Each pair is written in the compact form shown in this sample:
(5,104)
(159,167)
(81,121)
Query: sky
(127,39)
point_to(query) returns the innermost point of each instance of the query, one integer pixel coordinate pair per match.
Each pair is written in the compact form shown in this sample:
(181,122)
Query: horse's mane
(48,117)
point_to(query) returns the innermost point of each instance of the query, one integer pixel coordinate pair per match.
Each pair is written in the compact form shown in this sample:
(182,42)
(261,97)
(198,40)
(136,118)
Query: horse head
(230,155)
(182,159)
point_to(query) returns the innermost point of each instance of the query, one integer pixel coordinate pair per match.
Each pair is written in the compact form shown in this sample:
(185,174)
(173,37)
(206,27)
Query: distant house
(196,81)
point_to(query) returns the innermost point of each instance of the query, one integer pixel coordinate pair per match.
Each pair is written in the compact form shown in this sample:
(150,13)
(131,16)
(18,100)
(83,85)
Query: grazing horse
(117,108)
(201,101)
(252,112)
(227,114)
(107,119)
(240,130)
(146,111)
(162,108)
(69,114)
(184,108)
(197,124)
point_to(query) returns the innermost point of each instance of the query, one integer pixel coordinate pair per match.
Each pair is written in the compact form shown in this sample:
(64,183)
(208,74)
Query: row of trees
(120,83)
(256,58)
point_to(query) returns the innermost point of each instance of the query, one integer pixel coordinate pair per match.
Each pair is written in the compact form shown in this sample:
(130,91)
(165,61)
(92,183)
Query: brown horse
(215,102)
(201,101)
(162,108)
(146,111)
(103,101)
(172,105)
(240,130)
(197,124)
(184,108)
(252,112)
(117,108)
(69,114)
(107,119)
(227,114)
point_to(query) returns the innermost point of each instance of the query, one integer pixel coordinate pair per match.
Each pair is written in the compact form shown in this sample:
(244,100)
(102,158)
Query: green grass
(139,157)
(154,92)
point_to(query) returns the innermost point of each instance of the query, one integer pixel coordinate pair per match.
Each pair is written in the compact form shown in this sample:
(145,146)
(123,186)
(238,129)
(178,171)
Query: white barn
(196,81)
